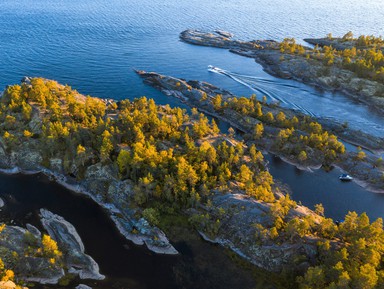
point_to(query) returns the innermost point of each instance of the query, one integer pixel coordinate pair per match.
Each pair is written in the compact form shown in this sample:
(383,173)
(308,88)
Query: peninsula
(143,162)
(296,138)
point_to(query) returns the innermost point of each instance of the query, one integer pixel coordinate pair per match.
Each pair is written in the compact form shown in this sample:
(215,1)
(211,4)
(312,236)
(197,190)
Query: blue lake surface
(94,45)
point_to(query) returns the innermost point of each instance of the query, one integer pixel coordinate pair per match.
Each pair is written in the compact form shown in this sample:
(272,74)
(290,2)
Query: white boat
(214,68)
(345,177)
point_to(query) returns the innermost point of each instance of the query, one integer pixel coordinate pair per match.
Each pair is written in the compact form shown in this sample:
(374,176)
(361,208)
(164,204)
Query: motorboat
(345,178)
(212,68)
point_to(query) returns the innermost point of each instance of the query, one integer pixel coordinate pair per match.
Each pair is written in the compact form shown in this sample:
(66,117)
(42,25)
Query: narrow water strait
(94,45)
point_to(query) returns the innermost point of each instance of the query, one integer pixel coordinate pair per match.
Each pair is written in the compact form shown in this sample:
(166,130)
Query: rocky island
(144,163)
(352,66)
(45,258)
(296,138)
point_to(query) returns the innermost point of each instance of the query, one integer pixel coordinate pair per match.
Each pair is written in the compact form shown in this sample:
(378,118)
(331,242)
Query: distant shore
(293,66)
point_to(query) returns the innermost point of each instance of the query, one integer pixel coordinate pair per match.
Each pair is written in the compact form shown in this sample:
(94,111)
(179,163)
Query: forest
(177,161)
(363,55)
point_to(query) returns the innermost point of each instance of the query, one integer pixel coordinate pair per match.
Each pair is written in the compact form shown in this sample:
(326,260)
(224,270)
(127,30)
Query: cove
(338,198)
(199,265)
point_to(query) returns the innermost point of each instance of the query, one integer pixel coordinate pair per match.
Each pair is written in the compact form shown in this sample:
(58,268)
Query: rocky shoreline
(145,233)
(273,257)
(297,67)
(65,234)
(245,212)
(255,254)
(191,92)
(35,267)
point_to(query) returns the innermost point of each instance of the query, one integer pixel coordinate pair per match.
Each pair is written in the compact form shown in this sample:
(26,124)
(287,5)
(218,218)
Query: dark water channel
(200,264)
(338,198)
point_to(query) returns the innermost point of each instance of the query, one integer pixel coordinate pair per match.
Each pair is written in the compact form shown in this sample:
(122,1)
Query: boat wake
(300,97)
(266,87)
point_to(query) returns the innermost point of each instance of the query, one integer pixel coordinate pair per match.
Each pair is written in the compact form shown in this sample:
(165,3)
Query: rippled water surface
(93,45)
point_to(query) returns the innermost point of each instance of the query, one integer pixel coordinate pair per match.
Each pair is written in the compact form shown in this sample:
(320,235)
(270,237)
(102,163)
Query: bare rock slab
(65,234)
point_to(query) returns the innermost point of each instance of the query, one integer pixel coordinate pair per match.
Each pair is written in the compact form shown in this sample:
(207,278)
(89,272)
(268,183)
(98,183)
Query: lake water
(93,45)
(126,266)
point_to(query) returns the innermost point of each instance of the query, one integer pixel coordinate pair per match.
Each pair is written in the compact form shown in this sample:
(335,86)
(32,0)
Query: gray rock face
(26,158)
(56,165)
(100,172)
(237,232)
(2,204)
(69,240)
(207,39)
(31,268)
(35,231)
(35,123)
(140,232)
(4,158)
(26,80)
(82,286)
